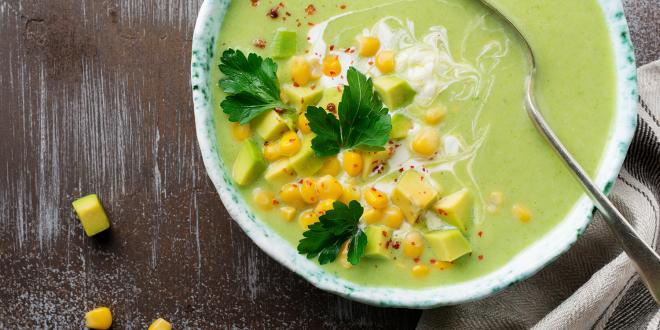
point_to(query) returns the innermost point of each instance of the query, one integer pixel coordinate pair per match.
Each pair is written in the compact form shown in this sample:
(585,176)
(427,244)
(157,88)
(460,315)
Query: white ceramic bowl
(525,264)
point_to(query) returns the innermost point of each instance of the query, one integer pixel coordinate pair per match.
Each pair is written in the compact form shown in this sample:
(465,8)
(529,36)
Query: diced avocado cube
(284,44)
(91,214)
(302,97)
(305,162)
(375,160)
(330,95)
(455,209)
(448,245)
(412,194)
(279,171)
(377,238)
(400,126)
(394,91)
(270,125)
(249,164)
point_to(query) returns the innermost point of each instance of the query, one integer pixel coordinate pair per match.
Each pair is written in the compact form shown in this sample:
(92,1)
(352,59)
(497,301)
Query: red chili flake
(309,38)
(332,73)
(416,260)
(287,13)
(310,23)
(412,166)
(387,244)
(371,62)
(442,212)
(401,170)
(279,110)
(347,50)
(342,6)
(432,261)
(384,233)
(480,257)
(255,3)
(412,243)
(339,88)
(332,47)
(310,10)
(396,245)
(281,4)
(480,233)
(300,181)
(313,87)
(295,84)
(273,13)
(276,202)
(331,107)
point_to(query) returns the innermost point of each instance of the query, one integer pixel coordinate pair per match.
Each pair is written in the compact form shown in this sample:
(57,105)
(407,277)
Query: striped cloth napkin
(594,285)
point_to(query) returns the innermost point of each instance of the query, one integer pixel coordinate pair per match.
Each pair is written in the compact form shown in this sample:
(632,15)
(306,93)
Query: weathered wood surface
(95,97)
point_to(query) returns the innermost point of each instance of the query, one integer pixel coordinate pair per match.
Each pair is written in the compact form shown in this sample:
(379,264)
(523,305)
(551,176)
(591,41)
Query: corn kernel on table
(95,98)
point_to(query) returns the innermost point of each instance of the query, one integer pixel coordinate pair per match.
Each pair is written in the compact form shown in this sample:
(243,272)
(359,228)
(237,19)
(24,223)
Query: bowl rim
(525,264)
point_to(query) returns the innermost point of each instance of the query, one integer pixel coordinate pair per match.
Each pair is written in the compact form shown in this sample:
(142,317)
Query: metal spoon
(645,259)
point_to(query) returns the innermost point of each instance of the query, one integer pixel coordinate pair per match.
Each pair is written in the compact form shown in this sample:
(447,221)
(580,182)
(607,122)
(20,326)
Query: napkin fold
(594,285)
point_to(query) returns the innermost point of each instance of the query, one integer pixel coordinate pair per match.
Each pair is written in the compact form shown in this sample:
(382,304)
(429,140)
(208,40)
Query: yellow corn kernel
(98,318)
(240,132)
(351,193)
(303,124)
(290,194)
(307,218)
(413,245)
(376,198)
(427,142)
(160,324)
(435,115)
(343,256)
(309,191)
(385,61)
(290,144)
(368,46)
(324,206)
(331,66)
(372,216)
(316,69)
(331,166)
(301,70)
(353,163)
(288,212)
(522,213)
(420,270)
(263,199)
(443,265)
(329,188)
(272,151)
(393,217)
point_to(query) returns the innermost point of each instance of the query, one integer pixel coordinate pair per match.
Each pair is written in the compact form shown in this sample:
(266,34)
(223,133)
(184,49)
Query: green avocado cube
(91,214)
(330,95)
(302,97)
(374,161)
(280,171)
(448,245)
(377,238)
(270,125)
(305,162)
(284,44)
(400,126)
(248,164)
(394,91)
(413,194)
(455,209)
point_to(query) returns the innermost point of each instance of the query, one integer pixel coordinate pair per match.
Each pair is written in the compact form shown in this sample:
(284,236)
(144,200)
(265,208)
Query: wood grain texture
(95,97)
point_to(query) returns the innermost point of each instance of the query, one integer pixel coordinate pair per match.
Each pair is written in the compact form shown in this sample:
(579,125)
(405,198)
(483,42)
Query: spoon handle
(645,259)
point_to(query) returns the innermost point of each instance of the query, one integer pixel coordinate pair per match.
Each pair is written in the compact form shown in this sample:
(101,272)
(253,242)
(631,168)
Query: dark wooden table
(95,98)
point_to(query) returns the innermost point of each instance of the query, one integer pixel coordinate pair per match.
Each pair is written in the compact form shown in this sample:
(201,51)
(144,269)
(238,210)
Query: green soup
(468,72)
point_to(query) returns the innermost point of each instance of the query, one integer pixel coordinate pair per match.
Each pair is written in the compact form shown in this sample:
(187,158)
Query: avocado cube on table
(377,238)
(455,209)
(330,95)
(284,44)
(302,97)
(394,91)
(305,162)
(249,164)
(91,214)
(270,125)
(400,126)
(448,245)
(279,171)
(413,194)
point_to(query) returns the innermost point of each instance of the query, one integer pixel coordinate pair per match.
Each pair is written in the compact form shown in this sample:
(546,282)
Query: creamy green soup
(466,132)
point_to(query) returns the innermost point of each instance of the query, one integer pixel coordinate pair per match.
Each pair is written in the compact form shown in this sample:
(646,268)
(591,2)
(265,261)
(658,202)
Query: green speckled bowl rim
(524,265)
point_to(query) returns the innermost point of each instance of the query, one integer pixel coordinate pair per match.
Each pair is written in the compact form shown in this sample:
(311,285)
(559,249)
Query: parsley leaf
(363,121)
(251,83)
(325,238)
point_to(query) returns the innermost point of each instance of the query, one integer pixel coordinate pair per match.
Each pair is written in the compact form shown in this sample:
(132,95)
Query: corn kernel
(353,163)
(98,318)
(385,61)
(309,191)
(435,115)
(303,124)
(290,144)
(301,70)
(316,69)
(290,194)
(307,218)
(160,324)
(343,256)
(263,199)
(420,270)
(372,216)
(240,132)
(443,265)
(324,206)
(427,142)
(331,166)
(272,151)
(413,245)
(376,198)
(522,213)
(368,46)
(351,193)
(288,212)
(329,188)
(331,66)
(393,217)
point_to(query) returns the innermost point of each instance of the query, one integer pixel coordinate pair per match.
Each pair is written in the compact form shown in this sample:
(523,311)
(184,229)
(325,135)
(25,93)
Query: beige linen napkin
(594,285)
